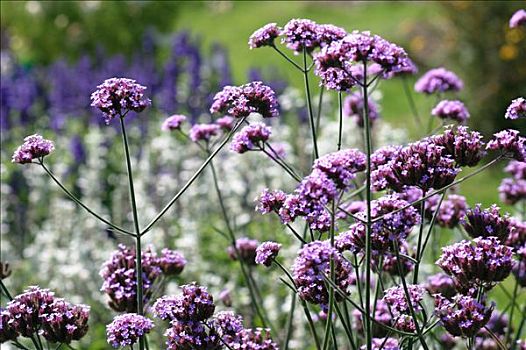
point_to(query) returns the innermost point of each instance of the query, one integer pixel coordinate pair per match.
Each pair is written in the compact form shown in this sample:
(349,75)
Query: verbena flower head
(120,277)
(333,67)
(117,96)
(438,80)
(342,166)
(353,108)
(421,164)
(510,143)
(512,191)
(27,309)
(463,316)
(192,336)
(451,109)
(407,67)
(383,156)
(392,227)
(126,329)
(517,236)
(451,211)
(204,132)
(516,169)
(250,137)
(383,344)
(300,34)
(34,147)
(194,304)
(391,264)
(228,325)
(264,36)
(171,262)
(487,222)
(381,315)
(464,146)
(226,123)
(64,322)
(517,109)
(255,339)
(441,283)
(173,122)
(329,33)
(518,18)
(519,269)
(398,303)
(267,252)
(481,262)
(246,249)
(7,329)
(241,101)
(270,201)
(311,267)
(351,208)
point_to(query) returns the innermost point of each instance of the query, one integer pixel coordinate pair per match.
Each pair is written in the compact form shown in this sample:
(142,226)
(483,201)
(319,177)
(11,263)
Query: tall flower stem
(340,129)
(138,254)
(309,104)
(420,237)
(507,339)
(329,324)
(368,197)
(411,101)
(232,236)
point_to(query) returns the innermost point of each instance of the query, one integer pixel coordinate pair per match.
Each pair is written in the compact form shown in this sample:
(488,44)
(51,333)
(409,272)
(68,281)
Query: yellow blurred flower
(508,52)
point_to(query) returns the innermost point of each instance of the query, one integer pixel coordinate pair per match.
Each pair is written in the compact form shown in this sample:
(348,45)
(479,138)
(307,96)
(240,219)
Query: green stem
(411,101)
(138,253)
(79,202)
(420,237)
(340,129)
(309,105)
(290,321)
(329,324)
(287,58)
(320,103)
(311,325)
(514,297)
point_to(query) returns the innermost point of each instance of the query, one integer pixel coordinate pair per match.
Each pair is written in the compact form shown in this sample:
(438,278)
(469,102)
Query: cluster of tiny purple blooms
(368,217)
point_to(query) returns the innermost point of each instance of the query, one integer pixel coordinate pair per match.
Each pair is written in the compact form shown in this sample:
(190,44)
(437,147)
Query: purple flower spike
(311,267)
(255,339)
(246,248)
(264,36)
(516,169)
(27,309)
(383,344)
(510,143)
(34,147)
(487,222)
(299,34)
(454,110)
(241,101)
(191,336)
(482,262)
(438,80)
(270,201)
(463,316)
(512,191)
(64,322)
(171,262)
(126,329)
(117,96)
(228,325)
(7,329)
(518,18)
(441,283)
(173,123)
(226,123)
(353,108)
(342,166)
(464,146)
(194,304)
(396,299)
(250,138)
(451,211)
(266,253)
(517,109)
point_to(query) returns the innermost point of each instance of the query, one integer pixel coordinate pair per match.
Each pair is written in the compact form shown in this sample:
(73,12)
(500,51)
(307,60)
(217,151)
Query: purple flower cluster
(518,18)
(517,236)
(125,330)
(383,156)
(451,109)
(171,262)
(381,315)
(192,336)
(270,201)
(438,80)
(264,36)
(482,262)
(353,108)
(267,252)
(498,324)
(421,164)
(204,132)
(442,284)
(463,316)
(392,227)
(241,101)
(342,166)
(301,34)
(250,138)
(513,190)
(383,344)
(255,339)
(226,123)
(34,147)
(391,265)
(228,325)
(510,143)
(517,109)
(117,96)
(464,146)
(246,249)
(519,269)
(173,122)
(451,211)
(396,300)
(311,267)
(195,304)
(120,277)
(37,310)
(487,222)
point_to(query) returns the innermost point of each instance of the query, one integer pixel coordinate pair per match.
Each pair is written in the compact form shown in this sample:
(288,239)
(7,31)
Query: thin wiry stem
(340,129)
(287,58)
(309,106)
(420,237)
